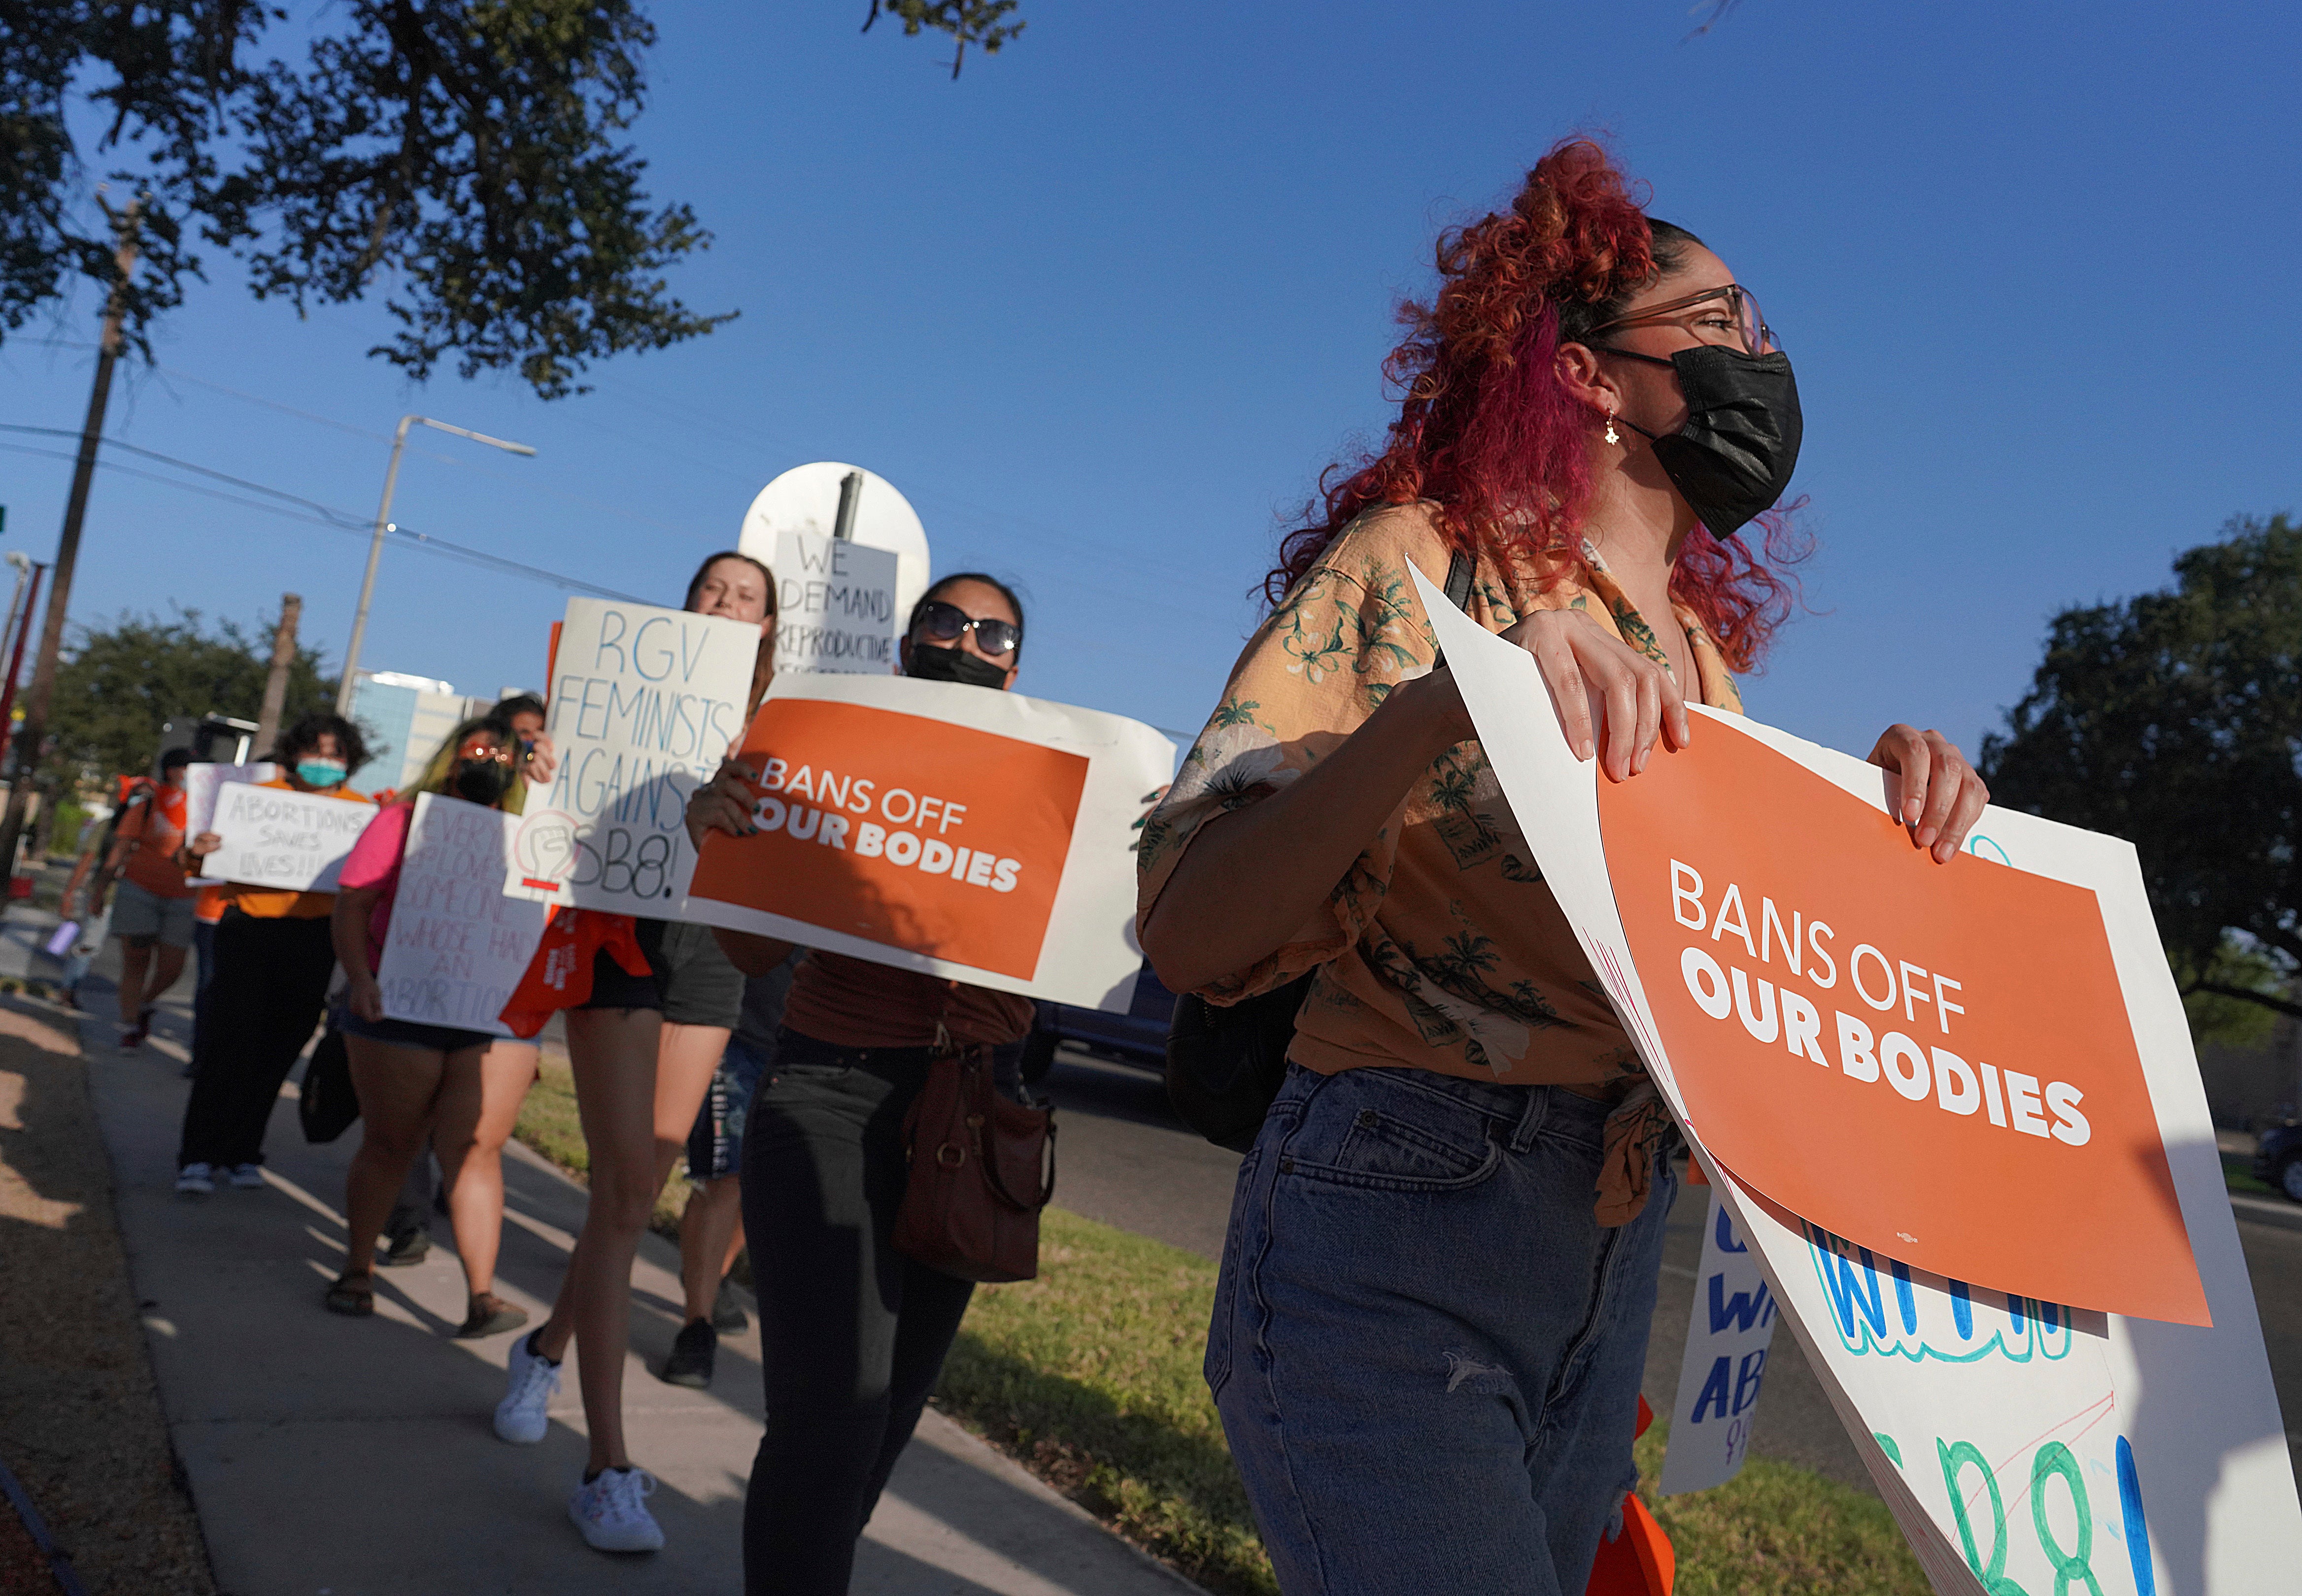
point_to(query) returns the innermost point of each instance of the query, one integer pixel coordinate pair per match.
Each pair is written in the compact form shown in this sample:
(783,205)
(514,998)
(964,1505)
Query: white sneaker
(196,1179)
(612,1511)
(521,1418)
(249,1176)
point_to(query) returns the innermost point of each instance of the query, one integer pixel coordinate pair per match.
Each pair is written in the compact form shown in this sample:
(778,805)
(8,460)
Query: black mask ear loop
(1633,354)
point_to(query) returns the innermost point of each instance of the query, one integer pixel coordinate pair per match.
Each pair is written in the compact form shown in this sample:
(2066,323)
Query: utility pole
(275,685)
(27,745)
(346,687)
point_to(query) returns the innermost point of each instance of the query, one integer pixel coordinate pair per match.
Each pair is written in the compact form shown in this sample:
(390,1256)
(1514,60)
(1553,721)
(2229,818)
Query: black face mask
(483,783)
(932,664)
(1733,458)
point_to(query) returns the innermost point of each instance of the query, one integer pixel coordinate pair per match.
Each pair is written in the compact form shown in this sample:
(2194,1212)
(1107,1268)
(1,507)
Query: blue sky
(1105,307)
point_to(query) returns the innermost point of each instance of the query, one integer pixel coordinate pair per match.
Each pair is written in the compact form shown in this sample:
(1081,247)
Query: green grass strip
(1090,1374)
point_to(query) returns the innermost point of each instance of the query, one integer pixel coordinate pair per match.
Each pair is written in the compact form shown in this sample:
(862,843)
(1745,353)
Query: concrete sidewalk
(354,1458)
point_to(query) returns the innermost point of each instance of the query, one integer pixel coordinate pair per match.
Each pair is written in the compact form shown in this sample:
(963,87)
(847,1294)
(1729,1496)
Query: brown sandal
(490,1315)
(352,1295)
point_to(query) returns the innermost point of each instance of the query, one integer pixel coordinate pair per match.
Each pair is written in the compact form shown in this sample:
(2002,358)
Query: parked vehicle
(1138,1036)
(2278,1159)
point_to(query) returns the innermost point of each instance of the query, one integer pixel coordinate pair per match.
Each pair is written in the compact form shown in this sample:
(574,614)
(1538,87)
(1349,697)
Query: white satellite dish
(807,498)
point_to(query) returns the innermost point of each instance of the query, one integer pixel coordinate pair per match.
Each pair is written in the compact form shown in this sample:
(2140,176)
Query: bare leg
(684,1062)
(135,958)
(167,964)
(614,1053)
(396,1086)
(479,1101)
(685,1056)
(710,1236)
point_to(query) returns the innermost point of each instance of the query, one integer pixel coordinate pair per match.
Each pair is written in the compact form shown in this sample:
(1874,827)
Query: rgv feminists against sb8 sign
(645,703)
(979,836)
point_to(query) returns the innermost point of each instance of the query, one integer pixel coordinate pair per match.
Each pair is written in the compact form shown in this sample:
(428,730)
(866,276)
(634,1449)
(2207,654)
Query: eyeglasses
(946,622)
(476,753)
(1739,312)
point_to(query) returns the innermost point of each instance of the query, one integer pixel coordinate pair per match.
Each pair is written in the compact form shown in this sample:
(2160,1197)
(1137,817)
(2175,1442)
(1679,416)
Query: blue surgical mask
(323,773)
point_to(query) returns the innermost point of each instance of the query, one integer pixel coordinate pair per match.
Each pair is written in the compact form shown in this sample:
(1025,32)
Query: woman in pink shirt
(413,1078)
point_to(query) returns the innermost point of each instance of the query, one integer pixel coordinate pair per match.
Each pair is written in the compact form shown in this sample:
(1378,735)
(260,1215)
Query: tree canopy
(463,158)
(121,680)
(2174,719)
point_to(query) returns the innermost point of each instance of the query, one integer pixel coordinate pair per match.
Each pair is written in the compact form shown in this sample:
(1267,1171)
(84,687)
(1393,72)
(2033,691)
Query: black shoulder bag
(1226,1061)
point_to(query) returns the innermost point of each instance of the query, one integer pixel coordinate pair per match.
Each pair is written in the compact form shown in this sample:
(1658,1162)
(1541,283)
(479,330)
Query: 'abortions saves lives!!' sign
(645,703)
(979,836)
(2021,1442)
(457,946)
(203,782)
(272,836)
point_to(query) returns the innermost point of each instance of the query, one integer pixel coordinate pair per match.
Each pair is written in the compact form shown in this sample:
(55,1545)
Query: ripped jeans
(1425,1349)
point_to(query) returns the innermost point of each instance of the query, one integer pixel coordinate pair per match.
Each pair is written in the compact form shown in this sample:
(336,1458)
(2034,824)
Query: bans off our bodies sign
(1933,1060)
(2019,1285)
(979,836)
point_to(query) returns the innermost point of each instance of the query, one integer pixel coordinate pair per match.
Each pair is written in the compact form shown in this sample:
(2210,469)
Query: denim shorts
(715,1147)
(1425,1349)
(409,1033)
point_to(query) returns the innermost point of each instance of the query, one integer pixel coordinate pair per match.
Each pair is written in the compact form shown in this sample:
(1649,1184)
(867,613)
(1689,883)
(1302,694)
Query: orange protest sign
(916,834)
(1933,1060)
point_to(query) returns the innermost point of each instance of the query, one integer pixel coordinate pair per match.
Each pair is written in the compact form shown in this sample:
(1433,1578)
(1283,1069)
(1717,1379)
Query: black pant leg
(233,1008)
(848,1360)
(933,1304)
(270,983)
(305,960)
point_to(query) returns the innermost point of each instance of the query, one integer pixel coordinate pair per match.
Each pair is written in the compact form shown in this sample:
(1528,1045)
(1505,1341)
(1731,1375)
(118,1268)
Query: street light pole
(384,525)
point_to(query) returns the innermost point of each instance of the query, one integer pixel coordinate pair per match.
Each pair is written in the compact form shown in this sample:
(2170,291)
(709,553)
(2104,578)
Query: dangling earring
(1612,437)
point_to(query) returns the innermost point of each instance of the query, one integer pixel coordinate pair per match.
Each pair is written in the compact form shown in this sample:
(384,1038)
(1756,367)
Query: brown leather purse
(982,1166)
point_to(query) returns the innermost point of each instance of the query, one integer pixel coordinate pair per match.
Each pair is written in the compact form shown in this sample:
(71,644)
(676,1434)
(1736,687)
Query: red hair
(1486,425)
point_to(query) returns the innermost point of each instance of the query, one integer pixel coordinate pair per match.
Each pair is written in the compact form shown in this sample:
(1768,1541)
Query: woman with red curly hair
(1433,1307)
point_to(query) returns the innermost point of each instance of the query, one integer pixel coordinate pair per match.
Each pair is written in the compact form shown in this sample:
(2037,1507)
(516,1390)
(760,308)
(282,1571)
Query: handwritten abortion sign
(645,703)
(834,605)
(1728,1335)
(1902,1052)
(457,946)
(272,836)
(203,782)
(2021,1442)
(979,836)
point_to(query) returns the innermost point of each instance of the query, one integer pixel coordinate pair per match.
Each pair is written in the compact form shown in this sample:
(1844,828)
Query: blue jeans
(1425,1349)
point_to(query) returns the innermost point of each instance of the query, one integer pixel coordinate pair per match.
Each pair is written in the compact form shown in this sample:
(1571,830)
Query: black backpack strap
(1460,569)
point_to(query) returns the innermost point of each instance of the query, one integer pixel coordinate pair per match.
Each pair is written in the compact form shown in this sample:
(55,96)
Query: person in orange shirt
(273,959)
(151,901)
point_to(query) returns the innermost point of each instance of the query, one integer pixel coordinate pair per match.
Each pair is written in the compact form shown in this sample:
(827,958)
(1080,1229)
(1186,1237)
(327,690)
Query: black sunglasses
(946,622)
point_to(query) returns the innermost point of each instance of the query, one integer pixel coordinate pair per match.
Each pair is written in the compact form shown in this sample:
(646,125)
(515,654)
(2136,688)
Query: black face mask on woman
(932,664)
(1733,458)
(483,781)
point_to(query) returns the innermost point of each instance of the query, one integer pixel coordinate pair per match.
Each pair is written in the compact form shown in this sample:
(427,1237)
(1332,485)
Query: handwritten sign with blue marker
(1728,1336)
(645,703)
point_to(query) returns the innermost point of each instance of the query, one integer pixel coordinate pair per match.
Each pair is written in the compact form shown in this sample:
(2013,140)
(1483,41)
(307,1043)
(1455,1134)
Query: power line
(313,512)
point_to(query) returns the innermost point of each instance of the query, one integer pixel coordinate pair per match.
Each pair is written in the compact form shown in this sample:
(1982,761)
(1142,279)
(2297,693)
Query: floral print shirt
(1440,949)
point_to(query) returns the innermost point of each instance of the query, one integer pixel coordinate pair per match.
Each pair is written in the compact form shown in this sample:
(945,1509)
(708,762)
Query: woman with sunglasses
(642,1050)
(413,1078)
(852,1333)
(1432,1317)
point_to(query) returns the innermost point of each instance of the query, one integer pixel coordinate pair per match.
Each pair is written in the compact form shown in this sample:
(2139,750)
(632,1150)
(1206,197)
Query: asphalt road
(1128,1161)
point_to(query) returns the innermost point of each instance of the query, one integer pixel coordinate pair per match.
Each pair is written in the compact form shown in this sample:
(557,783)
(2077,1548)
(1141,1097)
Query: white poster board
(835,606)
(807,498)
(273,836)
(977,836)
(2015,1440)
(456,947)
(1728,1332)
(645,703)
(203,782)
